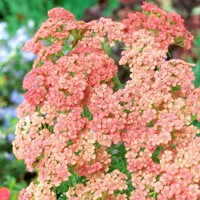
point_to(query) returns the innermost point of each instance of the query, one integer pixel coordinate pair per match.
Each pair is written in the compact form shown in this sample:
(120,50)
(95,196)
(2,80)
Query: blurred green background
(19,20)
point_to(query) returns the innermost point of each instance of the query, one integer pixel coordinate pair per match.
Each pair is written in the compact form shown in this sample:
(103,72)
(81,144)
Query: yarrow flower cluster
(77,114)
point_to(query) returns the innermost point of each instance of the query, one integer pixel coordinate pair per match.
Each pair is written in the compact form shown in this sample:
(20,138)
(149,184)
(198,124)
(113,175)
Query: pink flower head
(4,193)
(60,13)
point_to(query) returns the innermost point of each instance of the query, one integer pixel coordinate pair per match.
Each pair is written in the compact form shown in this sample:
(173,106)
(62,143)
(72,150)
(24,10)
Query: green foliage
(117,84)
(12,72)
(107,48)
(61,190)
(196,123)
(63,197)
(69,142)
(12,183)
(64,186)
(156,153)
(78,7)
(118,161)
(112,5)
(152,194)
(86,113)
(17,12)
(196,45)
(150,124)
(176,88)
(196,71)
(193,118)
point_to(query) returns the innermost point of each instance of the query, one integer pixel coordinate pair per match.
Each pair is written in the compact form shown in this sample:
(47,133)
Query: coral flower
(4,193)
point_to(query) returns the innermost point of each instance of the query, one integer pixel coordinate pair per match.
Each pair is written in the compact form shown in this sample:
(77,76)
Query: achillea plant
(91,137)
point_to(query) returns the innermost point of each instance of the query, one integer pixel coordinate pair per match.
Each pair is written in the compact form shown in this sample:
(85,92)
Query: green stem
(70,182)
(118,81)
(10,57)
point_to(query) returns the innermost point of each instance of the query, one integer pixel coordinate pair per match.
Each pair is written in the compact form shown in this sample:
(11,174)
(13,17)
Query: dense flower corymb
(77,116)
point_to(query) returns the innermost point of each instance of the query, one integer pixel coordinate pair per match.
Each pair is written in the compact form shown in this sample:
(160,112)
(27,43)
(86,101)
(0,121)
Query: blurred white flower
(28,56)
(3,32)
(16,97)
(31,23)
(4,53)
(8,45)
(19,39)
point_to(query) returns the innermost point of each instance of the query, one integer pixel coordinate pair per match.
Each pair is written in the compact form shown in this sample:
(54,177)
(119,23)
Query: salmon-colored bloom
(76,109)
(4,193)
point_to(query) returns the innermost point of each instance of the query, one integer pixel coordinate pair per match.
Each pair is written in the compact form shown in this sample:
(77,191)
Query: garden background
(19,20)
